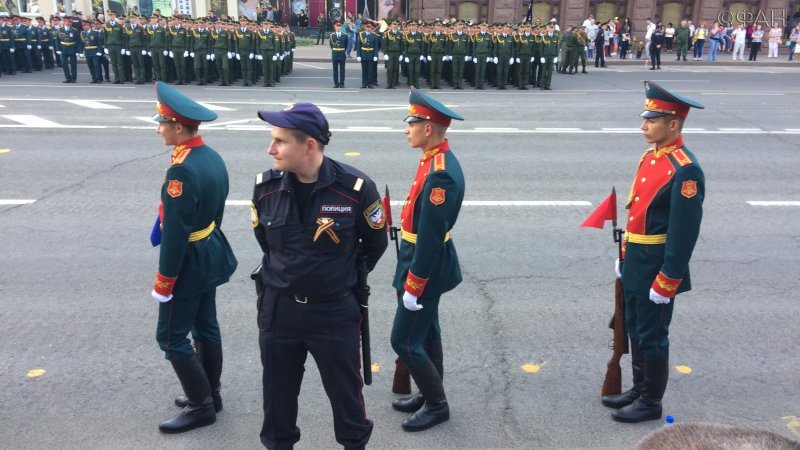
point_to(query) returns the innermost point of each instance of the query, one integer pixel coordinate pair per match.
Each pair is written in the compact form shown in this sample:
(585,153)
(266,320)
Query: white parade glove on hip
(407,60)
(444,58)
(260,57)
(466,59)
(160,298)
(38,47)
(208,57)
(658,298)
(385,57)
(410,302)
(542,61)
(191,54)
(533,58)
(475,60)
(511,61)
(374,59)
(58,52)
(144,52)
(250,56)
(127,53)
(238,57)
(186,54)
(429,58)
(555,60)
(165,53)
(122,52)
(495,59)
(105,50)
(98,54)
(29,47)
(358,58)
(172,55)
(400,58)
(213,57)
(518,62)
(274,57)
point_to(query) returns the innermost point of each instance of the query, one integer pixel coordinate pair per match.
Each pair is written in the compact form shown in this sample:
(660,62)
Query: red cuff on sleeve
(164,285)
(415,285)
(666,286)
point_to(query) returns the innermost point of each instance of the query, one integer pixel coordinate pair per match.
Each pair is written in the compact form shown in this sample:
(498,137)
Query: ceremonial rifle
(401,383)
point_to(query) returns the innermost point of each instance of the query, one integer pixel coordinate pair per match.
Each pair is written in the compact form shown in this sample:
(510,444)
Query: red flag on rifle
(606,211)
(387,208)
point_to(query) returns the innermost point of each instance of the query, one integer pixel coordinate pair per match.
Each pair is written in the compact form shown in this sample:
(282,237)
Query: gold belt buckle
(300,298)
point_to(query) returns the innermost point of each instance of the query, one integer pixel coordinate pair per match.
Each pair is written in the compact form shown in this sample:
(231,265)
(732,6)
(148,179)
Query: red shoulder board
(681,158)
(438,162)
(181,156)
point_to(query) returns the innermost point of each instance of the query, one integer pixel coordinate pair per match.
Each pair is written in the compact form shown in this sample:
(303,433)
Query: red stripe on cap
(428,114)
(170,113)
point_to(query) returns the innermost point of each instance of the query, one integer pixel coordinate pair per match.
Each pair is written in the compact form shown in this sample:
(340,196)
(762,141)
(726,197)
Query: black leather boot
(200,410)
(210,356)
(627,397)
(435,409)
(409,404)
(648,406)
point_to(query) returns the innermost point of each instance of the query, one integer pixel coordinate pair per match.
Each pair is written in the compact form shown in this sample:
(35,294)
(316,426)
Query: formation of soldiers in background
(141,49)
(499,55)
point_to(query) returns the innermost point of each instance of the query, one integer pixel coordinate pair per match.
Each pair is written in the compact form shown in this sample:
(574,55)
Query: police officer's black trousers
(179,316)
(331,333)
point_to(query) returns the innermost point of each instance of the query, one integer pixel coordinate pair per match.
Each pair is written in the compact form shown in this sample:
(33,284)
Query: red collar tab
(665,107)
(441,147)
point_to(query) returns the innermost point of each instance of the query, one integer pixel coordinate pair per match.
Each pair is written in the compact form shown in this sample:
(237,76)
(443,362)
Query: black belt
(325,298)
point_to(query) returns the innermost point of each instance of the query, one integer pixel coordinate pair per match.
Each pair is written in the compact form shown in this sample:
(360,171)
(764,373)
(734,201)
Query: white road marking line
(1,106)
(371,128)
(237,202)
(622,129)
(500,129)
(740,129)
(31,121)
(310,65)
(315,91)
(773,203)
(148,119)
(92,104)
(694,129)
(558,129)
(740,93)
(793,129)
(214,107)
(683,81)
(15,202)
(61,86)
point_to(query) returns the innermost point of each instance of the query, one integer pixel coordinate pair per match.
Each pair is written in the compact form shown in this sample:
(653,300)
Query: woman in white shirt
(774,40)
(669,35)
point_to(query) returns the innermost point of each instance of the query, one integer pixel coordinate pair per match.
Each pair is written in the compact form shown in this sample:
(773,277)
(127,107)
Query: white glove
(160,298)
(144,52)
(29,47)
(410,302)
(250,56)
(657,298)
(385,57)
(542,60)
(488,59)
(518,61)
(358,58)
(617,269)
(281,58)
(213,57)
(260,57)
(38,47)
(150,54)
(274,57)
(165,53)
(555,60)
(422,58)
(238,57)
(475,60)
(122,52)
(105,50)
(495,59)
(374,59)
(98,54)
(511,61)
(400,58)
(191,54)
(585,48)
(127,53)
(533,58)
(292,50)
(172,55)
(230,55)
(406,59)
(429,57)
(208,57)
(444,58)
(12,51)
(58,52)
(466,58)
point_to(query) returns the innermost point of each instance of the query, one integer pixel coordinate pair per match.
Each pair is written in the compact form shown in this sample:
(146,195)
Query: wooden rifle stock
(401,384)
(612,385)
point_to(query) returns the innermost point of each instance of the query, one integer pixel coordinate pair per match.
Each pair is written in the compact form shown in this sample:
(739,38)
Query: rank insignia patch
(689,188)
(174,188)
(253,215)
(437,196)
(374,215)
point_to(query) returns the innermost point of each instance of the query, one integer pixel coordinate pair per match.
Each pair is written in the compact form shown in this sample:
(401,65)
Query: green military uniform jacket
(427,265)
(267,43)
(137,40)
(437,45)
(201,42)
(114,37)
(195,255)
(503,46)
(665,209)
(392,43)
(682,34)
(482,45)
(459,45)
(413,45)
(157,38)
(245,42)
(178,39)
(550,45)
(222,41)
(524,46)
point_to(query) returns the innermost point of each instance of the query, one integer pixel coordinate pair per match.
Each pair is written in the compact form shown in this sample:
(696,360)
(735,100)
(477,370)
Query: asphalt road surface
(525,334)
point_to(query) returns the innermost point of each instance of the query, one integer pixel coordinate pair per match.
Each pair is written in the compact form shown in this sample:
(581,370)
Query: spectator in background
(656,44)
(775,40)
(302,22)
(608,36)
(715,37)
(793,40)
(755,46)
(599,44)
(624,44)
(651,27)
(322,25)
(739,39)
(669,36)
(699,38)
(351,35)
(750,30)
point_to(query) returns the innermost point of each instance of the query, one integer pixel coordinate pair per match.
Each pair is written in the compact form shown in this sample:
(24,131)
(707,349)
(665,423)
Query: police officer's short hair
(300,136)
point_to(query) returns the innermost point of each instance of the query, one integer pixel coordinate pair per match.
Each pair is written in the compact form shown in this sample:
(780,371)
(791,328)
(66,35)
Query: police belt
(195,236)
(322,298)
(412,238)
(646,239)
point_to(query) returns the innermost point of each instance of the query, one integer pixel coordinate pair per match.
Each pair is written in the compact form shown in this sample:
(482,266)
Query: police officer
(665,209)
(194,259)
(310,214)
(427,265)
(338,44)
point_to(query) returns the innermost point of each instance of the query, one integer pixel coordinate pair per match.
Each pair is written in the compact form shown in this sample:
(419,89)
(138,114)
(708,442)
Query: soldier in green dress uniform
(437,50)
(136,47)
(665,207)
(481,53)
(201,51)
(392,46)
(195,258)
(550,45)
(427,264)
(115,46)
(459,50)
(413,49)
(681,40)
(524,42)
(222,45)
(157,41)
(503,54)
(245,50)
(266,45)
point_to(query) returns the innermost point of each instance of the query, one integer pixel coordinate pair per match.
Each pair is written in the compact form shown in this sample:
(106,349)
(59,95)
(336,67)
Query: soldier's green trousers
(117,63)
(547,72)
(680,48)
(480,70)
(137,60)
(392,69)
(159,63)
(201,67)
(503,67)
(436,64)
(267,68)
(523,70)
(413,330)
(458,71)
(413,70)
(180,66)
(648,324)
(223,66)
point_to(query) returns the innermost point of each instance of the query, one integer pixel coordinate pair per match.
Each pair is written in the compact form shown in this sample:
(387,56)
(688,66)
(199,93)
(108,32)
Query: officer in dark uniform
(338,43)
(665,209)
(68,41)
(367,46)
(310,214)
(427,265)
(195,258)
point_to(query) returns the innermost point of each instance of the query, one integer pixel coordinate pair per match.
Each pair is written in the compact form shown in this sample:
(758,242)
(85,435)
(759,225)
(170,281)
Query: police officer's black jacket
(293,262)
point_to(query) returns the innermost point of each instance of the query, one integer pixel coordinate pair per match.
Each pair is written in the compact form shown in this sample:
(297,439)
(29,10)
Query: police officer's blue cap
(423,107)
(173,106)
(305,117)
(661,102)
